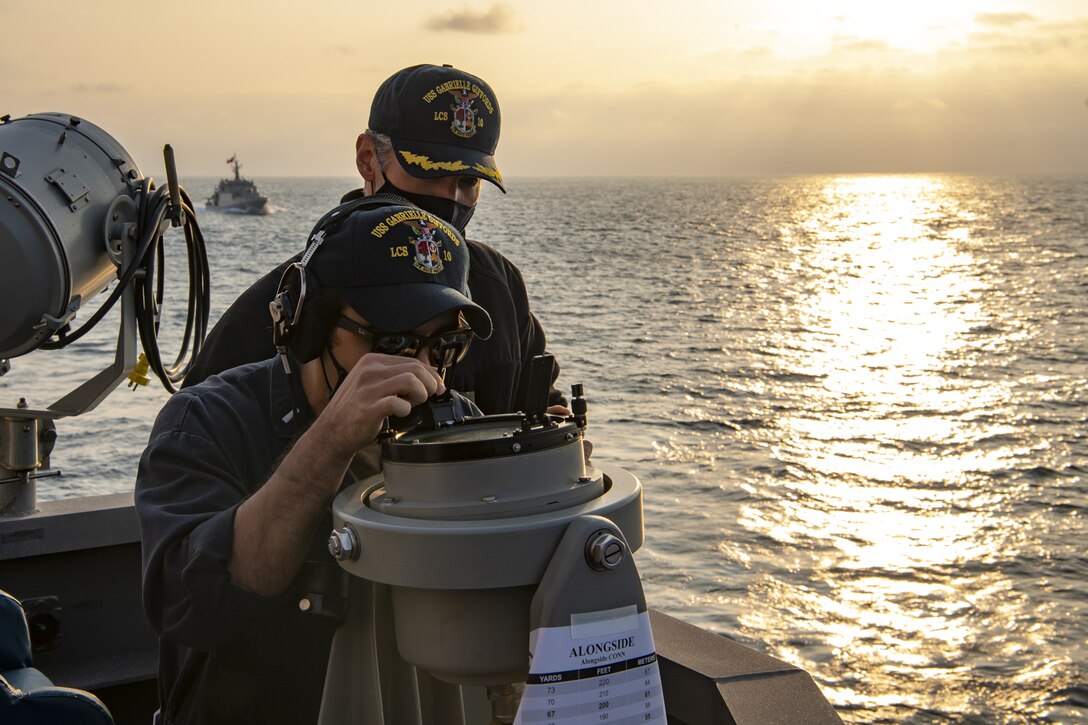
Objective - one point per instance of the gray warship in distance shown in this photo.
(237, 194)
(486, 555)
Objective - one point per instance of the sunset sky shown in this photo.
(587, 87)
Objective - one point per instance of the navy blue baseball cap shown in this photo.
(443, 122)
(399, 266)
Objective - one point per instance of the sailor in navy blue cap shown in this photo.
(234, 488)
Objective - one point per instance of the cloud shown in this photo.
(920, 104)
(1004, 20)
(499, 19)
(852, 44)
(1029, 46)
(853, 119)
(99, 88)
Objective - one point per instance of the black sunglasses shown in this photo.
(443, 348)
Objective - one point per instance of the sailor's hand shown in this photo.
(377, 387)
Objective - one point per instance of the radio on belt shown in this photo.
(489, 555)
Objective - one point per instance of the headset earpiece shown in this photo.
(283, 306)
(288, 304)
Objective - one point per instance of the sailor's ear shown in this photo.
(366, 160)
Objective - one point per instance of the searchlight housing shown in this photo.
(76, 216)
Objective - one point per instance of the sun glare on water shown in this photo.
(883, 504)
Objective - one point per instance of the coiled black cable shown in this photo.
(155, 208)
(147, 273)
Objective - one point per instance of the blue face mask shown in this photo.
(452, 212)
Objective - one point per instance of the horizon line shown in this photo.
(738, 175)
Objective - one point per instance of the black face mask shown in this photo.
(341, 373)
(453, 212)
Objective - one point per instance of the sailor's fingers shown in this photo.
(379, 366)
(406, 385)
(378, 386)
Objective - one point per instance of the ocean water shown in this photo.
(858, 406)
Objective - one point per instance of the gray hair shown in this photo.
(383, 146)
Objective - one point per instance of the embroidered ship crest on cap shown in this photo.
(427, 248)
(464, 115)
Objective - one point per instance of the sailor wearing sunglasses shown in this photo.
(234, 487)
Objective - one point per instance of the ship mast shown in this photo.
(233, 161)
